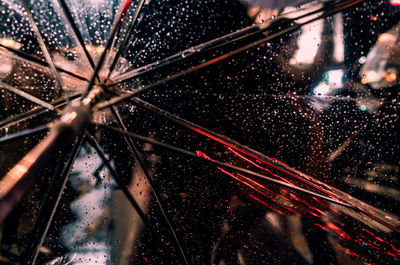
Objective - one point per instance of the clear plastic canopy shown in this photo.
(199, 132)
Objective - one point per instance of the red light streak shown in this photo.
(277, 194)
(348, 251)
(395, 249)
(309, 205)
(283, 170)
(390, 254)
(327, 206)
(145, 259)
(338, 230)
(383, 241)
(379, 220)
(202, 154)
(318, 188)
(126, 4)
(263, 187)
(360, 241)
(217, 139)
(329, 225)
(297, 177)
(320, 226)
(245, 183)
(251, 162)
(395, 2)
(314, 214)
(372, 234)
(262, 193)
(264, 203)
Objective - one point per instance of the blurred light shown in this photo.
(332, 79)
(387, 38)
(308, 43)
(17, 172)
(395, 2)
(370, 77)
(335, 78)
(374, 18)
(338, 52)
(95, 49)
(89, 47)
(362, 60)
(338, 230)
(69, 117)
(5, 66)
(100, 49)
(322, 89)
(10, 43)
(390, 76)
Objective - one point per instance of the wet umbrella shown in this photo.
(130, 91)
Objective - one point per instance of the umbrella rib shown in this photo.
(222, 164)
(126, 38)
(223, 140)
(232, 37)
(76, 31)
(43, 46)
(140, 89)
(107, 47)
(135, 151)
(207, 46)
(34, 112)
(92, 141)
(24, 133)
(31, 59)
(26, 95)
(198, 49)
(64, 177)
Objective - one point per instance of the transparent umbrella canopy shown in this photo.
(172, 132)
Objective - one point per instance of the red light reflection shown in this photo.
(308, 205)
(372, 234)
(338, 230)
(264, 203)
(201, 154)
(265, 169)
